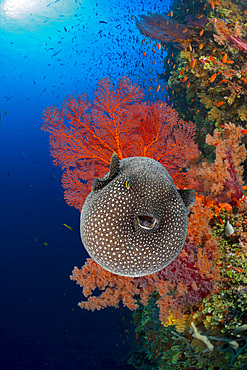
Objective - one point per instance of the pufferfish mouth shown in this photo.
(146, 222)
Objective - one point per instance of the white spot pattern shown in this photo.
(109, 228)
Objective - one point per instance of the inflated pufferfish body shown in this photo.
(134, 222)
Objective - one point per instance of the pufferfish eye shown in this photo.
(127, 184)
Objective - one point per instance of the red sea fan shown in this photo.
(226, 36)
(162, 28)
(161, 135)
(83, 137)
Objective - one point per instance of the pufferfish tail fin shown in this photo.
(98, 183)
(188, 196)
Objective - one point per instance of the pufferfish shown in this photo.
(134, 222)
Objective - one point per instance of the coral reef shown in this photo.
(208, 69)
(193, 313)
(210, 73)
(212, 333)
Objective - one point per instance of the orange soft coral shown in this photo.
(222, 179)
(115, 288)
(190, 278)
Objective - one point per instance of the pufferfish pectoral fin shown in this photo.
(188, 196)
(98, 183)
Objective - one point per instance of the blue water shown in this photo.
(50, 49)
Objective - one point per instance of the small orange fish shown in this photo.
(201, 32)
(222, 82)
(159, 45)
(200, 16)
(229, 61)
(192, 63)
(153, 50)
(190, 47)
(214, 50)
(239, 269)
(224, 59)
(219, 104)
(171, 14)
(198, 110)
(181, 72)
(244, 187)
(184, 79)
(188, 84)
(215, 144)
(144, 53)
(158, 88)
(213, 77)
(201, 46)
(244, 131)
(212, 3)
(185, 30)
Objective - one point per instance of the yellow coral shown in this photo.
(207, 322)
(242, 112)
(170, 320)
(181, 323)
(214, 115)
(205, 100)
